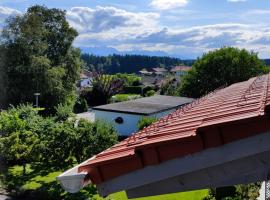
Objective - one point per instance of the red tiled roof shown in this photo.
(180, 68)
(223, 116)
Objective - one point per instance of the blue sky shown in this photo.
(186, 28)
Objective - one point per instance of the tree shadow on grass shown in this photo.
(39, 183)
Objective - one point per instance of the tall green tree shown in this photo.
(41, 58)
(221, 67)
(2, 80)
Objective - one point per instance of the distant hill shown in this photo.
(106, 51)
(130, 63)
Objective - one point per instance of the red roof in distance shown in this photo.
(181, 68)
(223, 116)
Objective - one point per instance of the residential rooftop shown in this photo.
(147, 105)
(240, 110)
(181, 68)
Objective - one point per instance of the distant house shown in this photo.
(180, 70)
(85, 79)
(159, 71)
(144, 72)
(125, 115)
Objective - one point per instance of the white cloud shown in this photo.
(6, 12)
(100, 19)
(168, 4)
(142, 31)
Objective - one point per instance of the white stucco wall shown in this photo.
(129, 125)
(87, 82)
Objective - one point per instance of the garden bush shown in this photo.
(146, 121)
(80, 105)
(133, 89)
(150, 93)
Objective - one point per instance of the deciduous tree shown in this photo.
(221, 67)
(38, 45)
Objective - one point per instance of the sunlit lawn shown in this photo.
(34, 181)
(193, 195)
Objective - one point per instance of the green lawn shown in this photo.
(193, 195)
(35, 180)
(32, 180)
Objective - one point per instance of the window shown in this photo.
(119, 120)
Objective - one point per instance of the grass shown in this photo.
(33, 180)
(193, 195)
(40, 180)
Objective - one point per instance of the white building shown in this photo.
(125, 115)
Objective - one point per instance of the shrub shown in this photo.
(129, 79)
(150, 93)
(63, 112)
(147, 88)
(133, 89)
(80, 105)
(146, 121)
(104, 87)
(92, 138)
(238, 192)
(169, 87)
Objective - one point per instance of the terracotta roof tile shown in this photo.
(180, 68)
(189, 129)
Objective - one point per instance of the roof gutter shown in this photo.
(72, 180)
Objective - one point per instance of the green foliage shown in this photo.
(27, 137)
(3, 80)
(148, 88)
(92, 138)
(133, 90)
(104, 87)
(63, 111)
(56, 144)
(169, 87)
(250, 191)
(129, 79)
(18, 137)
(150, 93)
(38, 57)
(80, 105)
(124, 97)
(221, 67)
(238, 192)
(146, 121)
(18, 147)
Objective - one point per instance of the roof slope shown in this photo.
(181, 68)
(147, 105)
(223, 116)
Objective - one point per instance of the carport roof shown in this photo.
(147, 105)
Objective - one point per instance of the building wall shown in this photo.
(180, 73)
(130, 121)
(87, 82)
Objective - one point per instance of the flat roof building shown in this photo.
(125, 115)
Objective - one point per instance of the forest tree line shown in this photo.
(129, 63)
